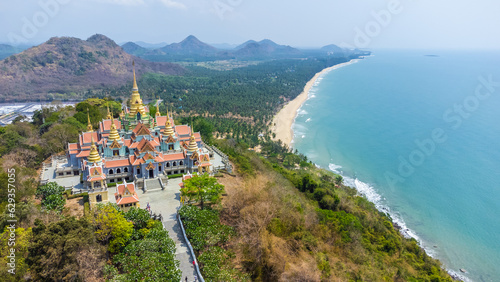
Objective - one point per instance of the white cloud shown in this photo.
(173, 4)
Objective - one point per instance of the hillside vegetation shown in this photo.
(68, 65)
(295, 222)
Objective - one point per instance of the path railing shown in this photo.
(197, 268)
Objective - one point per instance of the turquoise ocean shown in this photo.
(417, 133)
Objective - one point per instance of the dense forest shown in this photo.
(239, 103)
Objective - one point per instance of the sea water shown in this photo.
(418, 133)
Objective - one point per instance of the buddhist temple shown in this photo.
(134, 147)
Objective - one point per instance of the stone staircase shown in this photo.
(153, 184)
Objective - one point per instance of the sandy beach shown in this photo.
(283, 120)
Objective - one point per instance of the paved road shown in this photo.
(167, 202)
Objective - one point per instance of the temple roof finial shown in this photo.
(135, 82)
(89, 125)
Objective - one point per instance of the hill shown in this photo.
(265, 48)
(7, 50)
(190, 45)
(134, 49)
(66, 64)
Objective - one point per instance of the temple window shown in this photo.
(116, 152)
(98, 198)
(112, 180)
(174, 164)
(181, 163)
(138, 171)
(171, 147)
(118, 170)
(110, 171)
(125, 169)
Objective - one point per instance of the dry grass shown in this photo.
(74, 207)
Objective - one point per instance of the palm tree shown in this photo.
(338, 180)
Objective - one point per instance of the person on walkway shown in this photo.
(186, 279)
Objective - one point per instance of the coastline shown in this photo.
(282, 126)
(284, 119)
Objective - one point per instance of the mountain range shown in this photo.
(66, 64)
(192, 49)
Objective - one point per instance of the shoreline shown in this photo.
(282, 127)
(285, 118)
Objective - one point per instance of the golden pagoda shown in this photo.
(113, 133)
(192, 142)
(168, 130)
(136, 104)
(89, 125)
(94, 154)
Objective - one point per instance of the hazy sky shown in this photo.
(357, 23)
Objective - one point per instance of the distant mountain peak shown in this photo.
(99, 39)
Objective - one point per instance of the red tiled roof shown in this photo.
(161, 120)
(117, 163)
(183, 129)
(127, 200)
(120, 188)
(95, 173)
(127, 142)
(83, 154)
(173, 157)
(86, 137)
(120, 196)
(105, 125)
(141, 128)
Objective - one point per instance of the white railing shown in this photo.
(189, 246)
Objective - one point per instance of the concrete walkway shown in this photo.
(166, 202)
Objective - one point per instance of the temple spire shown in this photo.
(94, 154)
(193, 146)
(109, 116)
(136, 105)
(113, 133)
(89, 125)
(134, 87)
(158, 107)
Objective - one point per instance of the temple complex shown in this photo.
(132, 148)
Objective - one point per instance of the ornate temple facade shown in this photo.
(135, 147)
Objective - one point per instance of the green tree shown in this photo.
(64, 250)
(23, 237)
(202, 188)
(150, 259)
(112, 227)
(51, 195)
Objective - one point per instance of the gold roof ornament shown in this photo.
(109, 116)
(158, 108)
(136, 101)
(94, 154)
(113, 133)
(168, 130)
(193, 146)
(89, 125)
